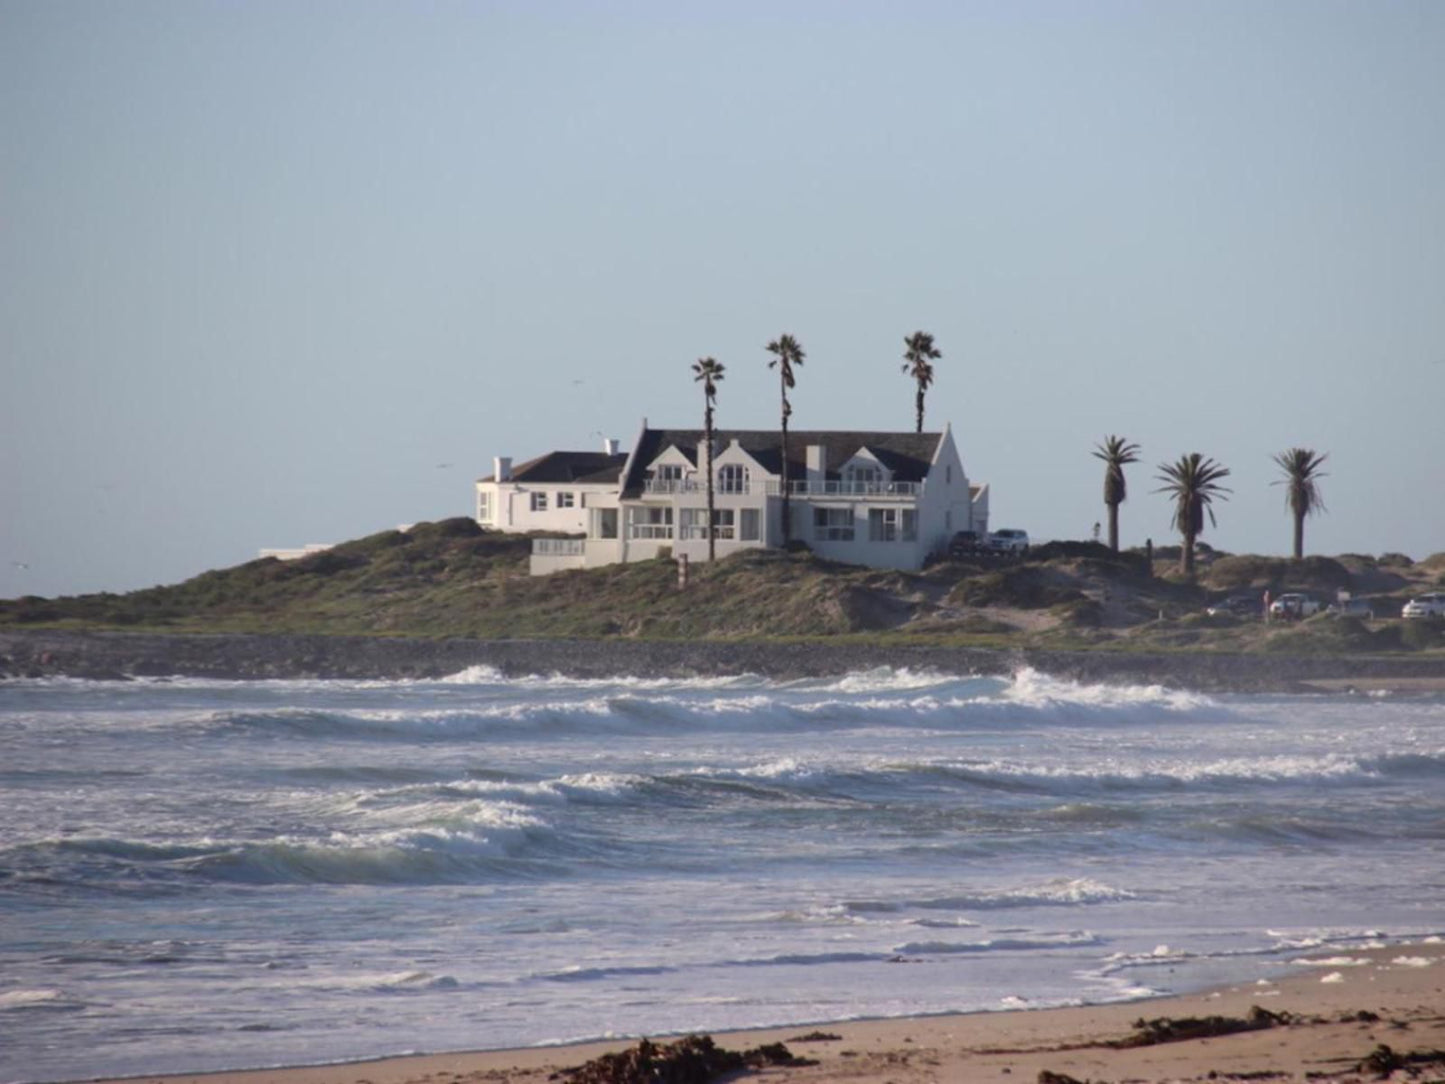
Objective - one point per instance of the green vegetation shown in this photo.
(1193, 484)
(451, 578)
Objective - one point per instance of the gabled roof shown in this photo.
(907, 455)
(580, 467)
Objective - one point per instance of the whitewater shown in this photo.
(198, 875)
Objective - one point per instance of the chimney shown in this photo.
(817, 463)
(502, 468)
(609, 445)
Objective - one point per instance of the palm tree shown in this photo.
(1193, 482)
(1116, 452)
(709, 371)
(786, 354)
(917, 361)
(1301, 468)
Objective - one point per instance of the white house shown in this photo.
(553, 492)
(885, 500)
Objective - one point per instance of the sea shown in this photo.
(199, 875)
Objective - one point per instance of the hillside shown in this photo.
(452, 579)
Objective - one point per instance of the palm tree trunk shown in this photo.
(1114, 527)
(1186, 556)
(1299, 536)
(711, 534)
(787, 512)
(920, 410)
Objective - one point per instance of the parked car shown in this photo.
(1246, 605)
(1352, 607)
(965, 544)
(1294, 605)
(1431, 605)
(1009, 540)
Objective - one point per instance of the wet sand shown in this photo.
(1333, 1015)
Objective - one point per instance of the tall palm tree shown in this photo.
(709, 371)
(1193, 482)
(1116, 452)
(917, 363)
(786, 355)
(1301, 468)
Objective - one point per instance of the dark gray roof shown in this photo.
(907, 455)
(580, 467)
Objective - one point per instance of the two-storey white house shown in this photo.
(553, 492)
(885, 500)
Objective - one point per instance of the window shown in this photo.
(892, 524)
(732, 478)
(566, 499)
(667, 477)
(862, 479)
(484, 507)
(649, 522)
(539, 502)
(748, 528)
(833, 524)
(694, 520)
(607, 523)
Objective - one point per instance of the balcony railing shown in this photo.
(558, 547)
(693, 485)
(855, 489)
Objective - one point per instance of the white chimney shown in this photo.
(609, 445)
(502, 468)
(817, 463)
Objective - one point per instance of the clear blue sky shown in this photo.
(278, 273)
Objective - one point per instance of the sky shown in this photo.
(277, 273)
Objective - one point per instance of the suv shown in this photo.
(965, 544)
(1009, 540)
(1352, 607)
(1293, 605)
(1432, 605)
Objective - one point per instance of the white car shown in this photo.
(1352, 607)
(1009, 540)
(1432, 605)
(1294, 605)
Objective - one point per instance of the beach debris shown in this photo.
(1383, 1061)
(1048, 1077)
(693, 1059)
(816, 1037)
(1165, 1029)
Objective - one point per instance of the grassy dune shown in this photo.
(452, 579)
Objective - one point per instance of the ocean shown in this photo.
(197, 875)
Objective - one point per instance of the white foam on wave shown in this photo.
(1037, 689)
(490, 675)
(997, 944)
(1279, 768)
(888, 679)
(42, 999)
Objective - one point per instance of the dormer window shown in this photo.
(732, 478)
(667, 477)
(863, 478)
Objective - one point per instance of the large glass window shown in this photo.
(607, 523)
(732, 478)
(862, 478)
(484, 507)
(748, 528)
(667, 477)
(649, 522)
(833, 524)
(892, 525)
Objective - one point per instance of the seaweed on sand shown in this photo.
(693, 1059)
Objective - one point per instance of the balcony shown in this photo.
(855, 489)
(693, 485)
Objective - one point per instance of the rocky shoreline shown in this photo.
(123, 655)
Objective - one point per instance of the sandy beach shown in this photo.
(1329, 1017)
